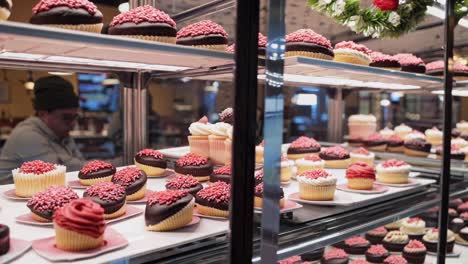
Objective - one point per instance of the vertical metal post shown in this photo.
(448, 83)
(245, 105)
(335, 115)
(273, 130)
(136, 3)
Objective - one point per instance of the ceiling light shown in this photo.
(61, 73)
(29, 85)
(384, 102)
(304, 99)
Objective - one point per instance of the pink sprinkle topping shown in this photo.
(304, 142)
(413, 220)
(335, 254)
(463, 206)
(315, 174)
(46, 5)
(408, 59)
(464, 215)
(379, 57)
(144, 13)
(231, 48)
(204, 27)
(357, 240)
(224, 170)
(336, 150)
(393, 163)
(127, 176)
(359, 261)
(395, 138)
(394, 259)
(192, 159)
(308, 35)
(150, 153)
(182, 182)
(361, 151)
(219, 192)
(439, 65)
(203, 120)
(291, 260)
(262, 144)
(166, 197)
(106, 191)
(52, 198)
(36, 167)
(94, 166)
(452, 211)
(435, 230)
(377, 250)
(312, 158)
(375, 137)
(262, 40)
(353, 46)
(259, 175)
(259, 188)
(415, 244)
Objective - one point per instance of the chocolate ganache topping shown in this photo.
(194, 164)
(132, 179)
(418, 144)
(216, 196)
(164, 204)
(96, 169)
(70, 12)
(184, 182)
(334, 153)
(223, 174)
(108, 195)
(151, 158)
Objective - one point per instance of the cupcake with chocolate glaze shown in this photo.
(355, 141)
(314, 255)
(187, 183)
(168, 210)
(96, 171)
(44, 204)
(307, 43)
(436, 68)
(79, 225)
(455, 152)
(335, 157)
(262, 42)
(431, 239)
(302, 147)
(223, 174)
(258, 196)
(410, 63)
(133, 180)
(144, 22)
(375, 142)
(356, 245)
(350, 52)
(4, 239)
(385, 61)
(462, 208)
(195, 165)
(151, 162)
(375, 236)
(5, 9)
(395, 144)
(417, 147)
(109, 196)
(456, 225)
(204, 34)
(462, 236)
(394, 259)
(395, 241)
(80, 15)
(335, 256)
(377, 254)
(214, 200)
(454, 203)
(362, 155)
(36, 176)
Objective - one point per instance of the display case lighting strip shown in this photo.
(333, 81)
(462, 93)
(91, 62)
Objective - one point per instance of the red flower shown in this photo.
(386, 5)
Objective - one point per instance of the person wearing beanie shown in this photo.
(45, 136)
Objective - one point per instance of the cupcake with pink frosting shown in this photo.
(350, 52)
(362, 155)
(436, 68)
(198, 139)
(204, 34)
(381, 60)
(308, 43)
(411, 63)
(262, 41)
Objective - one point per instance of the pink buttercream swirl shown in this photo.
(204, 27)
(335, 254)
(407, 59)
(141, 14)
(192, 159)
(353, 46)
(380, 57)
(83, 216)
(106, 191)
(36, 167)
(315, 174)
(304, 142)
(357, 240)
(393, 163)
(394, 259)
(309, 36)
(360, 170)
(377, 250)
(361, 151)
(338, 151)
(46, 5)
(166, 197)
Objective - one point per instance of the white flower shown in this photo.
(394, 19)
(353, 22)
(338, 7)
(324, 2)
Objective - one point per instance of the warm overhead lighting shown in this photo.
(463, 93)
(124, 7)
(29, 85)
(304, 99)
(111, 81)
(61, 73)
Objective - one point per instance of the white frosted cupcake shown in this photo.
(362, 125)
(459, 142)
(259, 149)
(286, 169)
(414, 227)
(387, 132)
(362, 155)
(36, 176)
(415, 134)
(198, 139)
(402, 130)
(393, 171)
(434, 136)
(308, 163)
(463, 126)
(228, 146)
(216, 140)
(317, 185)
